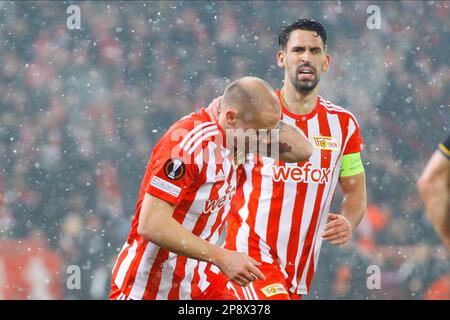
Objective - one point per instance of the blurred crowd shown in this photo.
(80, 111)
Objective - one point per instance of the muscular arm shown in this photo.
(354, 205)
(285, 143)
(157, 225)
(433, 186)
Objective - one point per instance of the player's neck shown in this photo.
(297, 102)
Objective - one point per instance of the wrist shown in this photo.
(349, 221)
(217, 255)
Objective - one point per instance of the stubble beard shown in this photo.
(304, 86)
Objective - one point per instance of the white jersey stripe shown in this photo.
(230, 286)
(340, 109)
(253, 291)
(198, 135)
(190, 221)
(242, 243)
(203, 138)
(288, 202)
(191, 133)
(143, 272)
(199, 160)
(302, 288)
(335, 131)
(262, 219)
(166, 278)
(311, 192)
(250, 294)
(245, 294)
(289, 195)
(125, 265)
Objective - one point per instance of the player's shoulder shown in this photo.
(191, 132)
(333, 108)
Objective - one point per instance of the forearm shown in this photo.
(434, 186)
(437, 207)
(354, 204)
(339, 228)
(353, 208)
(156, 224)
(173, 237)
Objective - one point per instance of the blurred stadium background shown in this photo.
(81, 109)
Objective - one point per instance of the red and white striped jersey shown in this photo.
(280, 209)
(190, 168)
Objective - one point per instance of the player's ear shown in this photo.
(231, 117)
(280, 58)
(326, 63)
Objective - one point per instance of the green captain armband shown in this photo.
(351, 165)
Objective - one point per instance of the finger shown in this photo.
(340, 235)
(255, 271)
(240, 281)
(336, 235)
(332, 224)
(335, 230)
(333, 216)
(254, 262)
(340, 241)
(248, 276)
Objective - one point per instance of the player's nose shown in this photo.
(306, 56)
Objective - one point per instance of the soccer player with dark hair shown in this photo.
(280, 213)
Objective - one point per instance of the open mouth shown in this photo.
(306, 73)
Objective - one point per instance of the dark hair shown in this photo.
(302, 24)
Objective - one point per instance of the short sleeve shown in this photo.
(173, 171)
(444, 147)
(355, 143)
(447, 143)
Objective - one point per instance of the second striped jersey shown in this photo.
(191, 169)
(280, 209)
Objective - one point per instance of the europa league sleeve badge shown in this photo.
(174, 169)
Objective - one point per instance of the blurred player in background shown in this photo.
(280, 213)
(184, 200)
(434, 187)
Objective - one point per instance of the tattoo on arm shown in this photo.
(283, 145)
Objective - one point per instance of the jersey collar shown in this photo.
(296, 116)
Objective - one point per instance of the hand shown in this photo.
(338, 230)
(239, 268)
(214, 108)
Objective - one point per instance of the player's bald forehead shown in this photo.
(248, 92)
